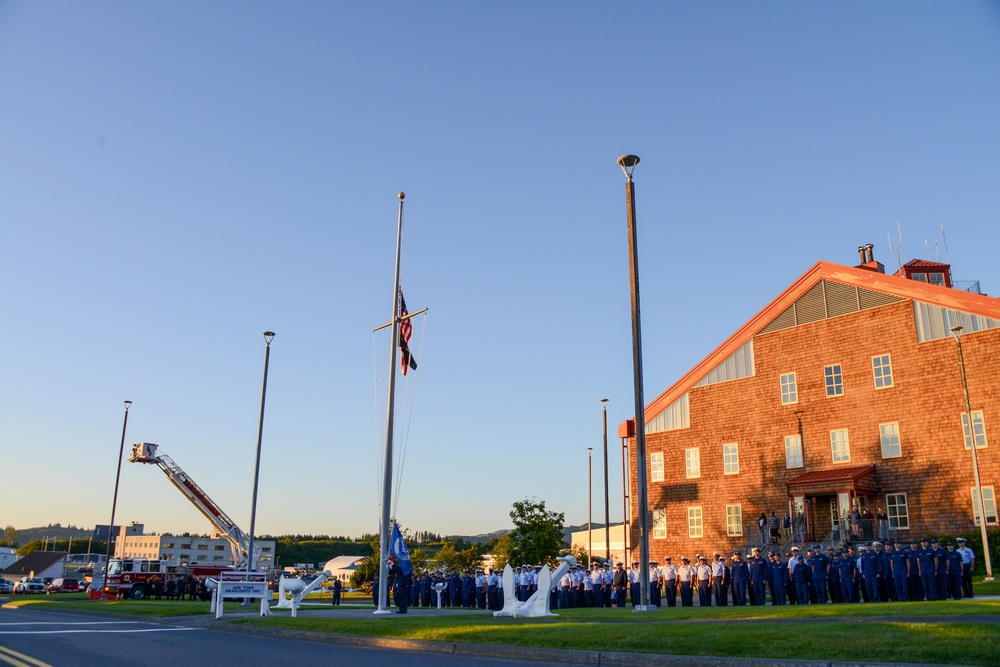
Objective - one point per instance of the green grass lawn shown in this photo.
(761, 632)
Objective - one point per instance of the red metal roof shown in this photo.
(832, 475)
(946, 297)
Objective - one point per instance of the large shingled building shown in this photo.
(845, 391)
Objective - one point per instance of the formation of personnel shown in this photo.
(875, 572)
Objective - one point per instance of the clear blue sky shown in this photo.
(177, 177)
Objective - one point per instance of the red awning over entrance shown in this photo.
(834, 479)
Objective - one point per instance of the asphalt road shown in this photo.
(41, 639)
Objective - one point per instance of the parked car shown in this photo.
(6, 587)
(63, 585)
(29, 586)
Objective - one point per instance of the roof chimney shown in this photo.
(867, 253)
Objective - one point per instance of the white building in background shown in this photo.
(581, 539)
(213, 549)
(342, 567)
(7, 557)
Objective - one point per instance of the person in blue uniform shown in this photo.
(740, 576)
(916, 590)
(900, 572)
(820, 565)
(801, 576)
(954, 560)
(832, 582)
(758, 578)
(847, 572)
(779, 579)
(940, 570)
(928, 573)
(872, 568)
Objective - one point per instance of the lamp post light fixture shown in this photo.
(957, 331)
(590, 507)
(268, 337)
(607, 510)
(628, 163)
(114, 502)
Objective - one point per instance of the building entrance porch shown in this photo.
(828, 505)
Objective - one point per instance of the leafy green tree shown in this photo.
(502, 551)
(537, 534)
(446, 557)
(470, 558)
(9, 537)
(418, 559)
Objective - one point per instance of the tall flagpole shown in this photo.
(383, 541)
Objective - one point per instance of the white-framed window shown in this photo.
(734, 520)
(990, 500)
(656, 467)
(896, 509)
(793, 451)
(695, 526)
(731, 459)
(978, 429)
(659, 524)
(789, 390)
(882, 371)
(692, 462)
(833, 376)
(840, 445)
(889, 437)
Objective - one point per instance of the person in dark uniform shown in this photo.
(779, 579)
(832, 582)
(900, 572)
(847, 572)
(337, 588)
(801, 576)
(740, 574)
(916, 590)
(819, 566)
(758, 578)
(872, 569)
(954, 560)
(402, 586)
(889, 579)
(928, 571)
(620, 581)
(940, 570)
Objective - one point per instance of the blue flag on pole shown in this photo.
(397, 547)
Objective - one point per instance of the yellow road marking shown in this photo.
(12, 657)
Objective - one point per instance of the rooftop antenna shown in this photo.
(947, 257)
(895, 251)
(937, 251)
(927, 247)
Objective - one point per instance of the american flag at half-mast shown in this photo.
(405, 331)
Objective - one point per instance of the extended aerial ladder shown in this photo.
(239, 542)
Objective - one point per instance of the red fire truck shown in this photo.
(135, 578)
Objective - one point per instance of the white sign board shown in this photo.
(242, 585)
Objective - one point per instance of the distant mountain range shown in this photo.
(53, 532)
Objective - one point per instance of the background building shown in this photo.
(844, 393)
(212, 549)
